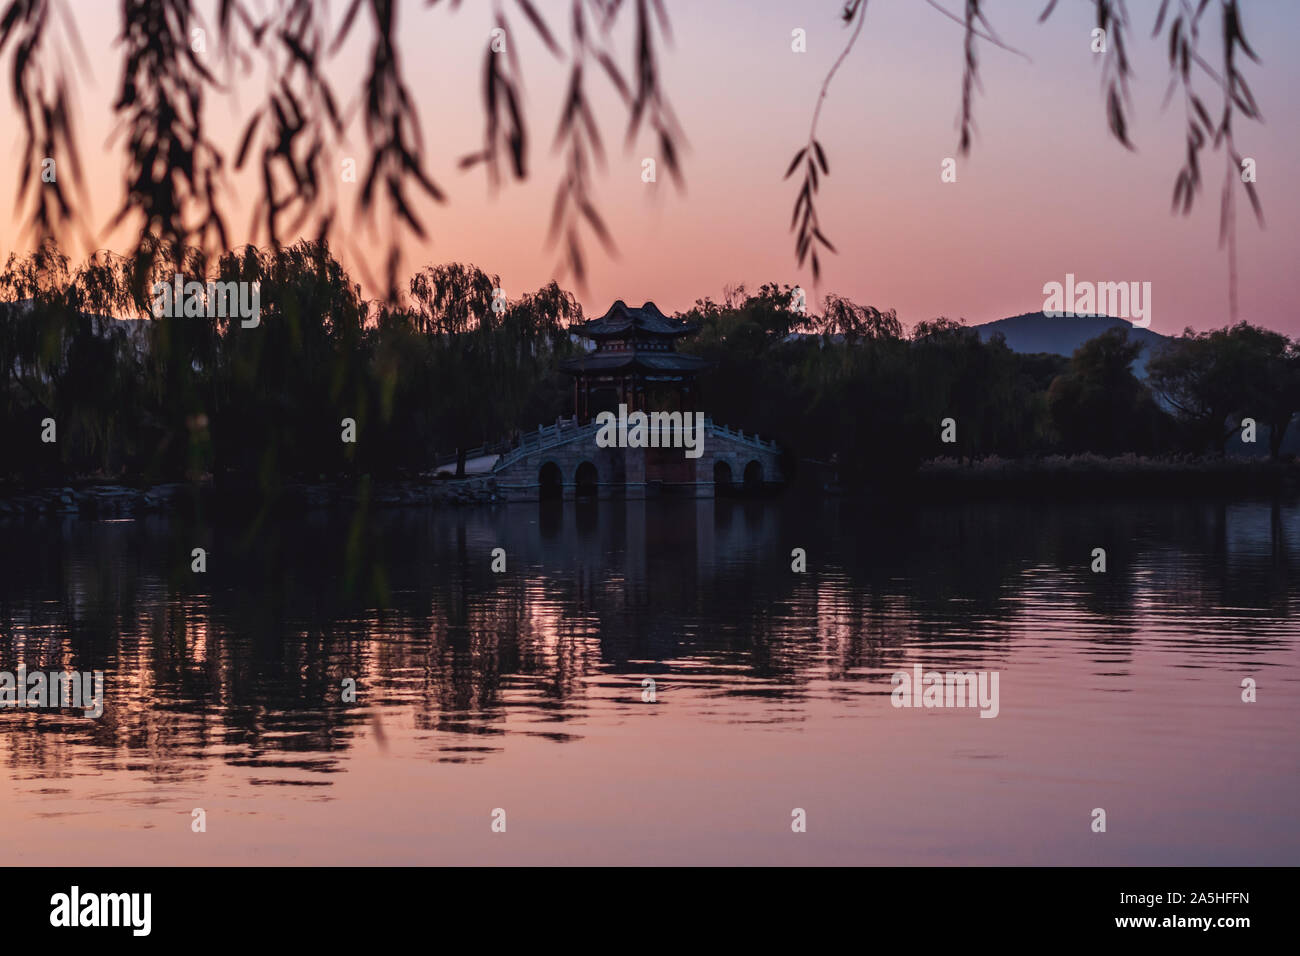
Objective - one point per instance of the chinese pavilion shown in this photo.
(633, 361)
(635, 354)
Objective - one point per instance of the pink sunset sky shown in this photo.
(1046, 190)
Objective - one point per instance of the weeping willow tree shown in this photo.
(68, 369)
(168, 394)
(491, 354)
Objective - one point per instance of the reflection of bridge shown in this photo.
(563, 460)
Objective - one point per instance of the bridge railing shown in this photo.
(546, 436)
(567, 429)
(739, 435)
(488, 448)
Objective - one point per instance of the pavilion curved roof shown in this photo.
(624, 321)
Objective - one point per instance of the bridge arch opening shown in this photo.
(753, 476)
(721, 475)
(585, 480)
(550, 480)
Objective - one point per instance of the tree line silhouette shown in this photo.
(855, 389)
(456, 364)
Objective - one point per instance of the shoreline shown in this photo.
(100, 500)
(1088, 475)
(941, 479)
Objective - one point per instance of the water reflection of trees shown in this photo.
(245, 663)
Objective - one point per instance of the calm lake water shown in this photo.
(523, 690)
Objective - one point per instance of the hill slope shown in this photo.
(1036, 332)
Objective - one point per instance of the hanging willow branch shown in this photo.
(175, 191)
(1185, 60)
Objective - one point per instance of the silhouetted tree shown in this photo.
(1214, 379)
(1098, 404)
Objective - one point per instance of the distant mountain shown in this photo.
(1036, 332)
